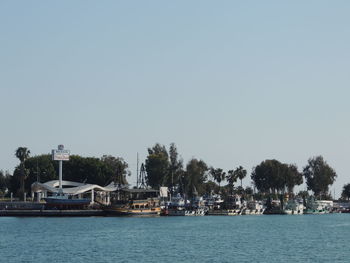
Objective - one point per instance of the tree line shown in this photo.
(269, 177)
(166, 168)
(42, 168)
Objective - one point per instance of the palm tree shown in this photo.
(231, 178)
(241, 173)
(217, 174)
(22, 153)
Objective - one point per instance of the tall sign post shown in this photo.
(60, 155)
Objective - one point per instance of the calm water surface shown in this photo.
(307, 238)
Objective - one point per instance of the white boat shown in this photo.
(318, 207)
(253, 207)
(294, 207)
(179, 207)
(199, 211)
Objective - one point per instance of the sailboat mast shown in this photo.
(137, 171)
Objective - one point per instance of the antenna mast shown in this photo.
(142, 179)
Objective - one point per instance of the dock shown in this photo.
(52, 213)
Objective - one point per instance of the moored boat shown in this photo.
(294, 207)
(135, 208)
(64, 201)
(318, 206)
(134, 202)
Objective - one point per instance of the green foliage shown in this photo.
(319, 176)
(22, 153)
(157, 166)
(4, 182)
(83, 169)
(194, 177)
(115, 169)
(40, 168)
(175, 167)
(272, 176)
(346, 192)
(233, 175)
(303, 194)
(241, 173)
(78, 169)
(249, 191)
(231, 179)
(217, 174)
(266, 176)
(95, 170)
(210, 187)
(293, 177)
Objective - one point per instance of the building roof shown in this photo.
(74, 188)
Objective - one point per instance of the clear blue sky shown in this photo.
(230, 82)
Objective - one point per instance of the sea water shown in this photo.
(298, 238)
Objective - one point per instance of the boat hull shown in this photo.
(185, 212)
(132, 212)
(58, 201)
(225, 212)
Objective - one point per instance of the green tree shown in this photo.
(86, 170)
(5, 178)
(293, 177)
(175, 167)
(22, 153)
(272, 176)
(319, 176)
(346, 192)
(40, 168)
(231, 178)
(116, 170)
(241, 173)
(157, 166)
(194, 177)
(249, 191)
(210, 187)
(267, 176)
(217, 174)
(92, 170)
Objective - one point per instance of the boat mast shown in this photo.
(137, 171)
(143, 177)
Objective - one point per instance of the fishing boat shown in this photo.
(253, 207)
(318, 206)
(294, 207)
(175, 207)
(224, 212)
(231, 207)
(179, 207)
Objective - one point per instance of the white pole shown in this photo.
(92, 196)
(60, 175)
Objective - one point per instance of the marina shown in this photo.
(151, 206)
(174, 131)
